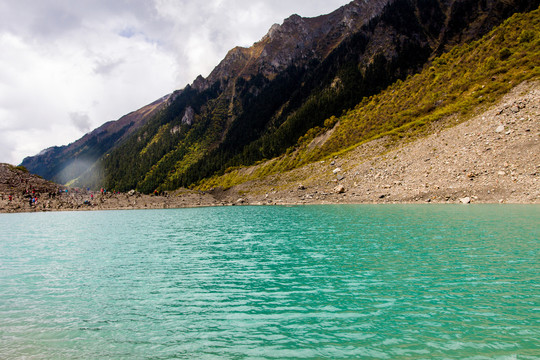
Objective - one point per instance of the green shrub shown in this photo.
(526, 36)
(505, 53)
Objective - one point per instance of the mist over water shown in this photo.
(340, 282)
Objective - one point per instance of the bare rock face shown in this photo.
(200, 83)
(189, 115)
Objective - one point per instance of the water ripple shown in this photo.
(340, 282)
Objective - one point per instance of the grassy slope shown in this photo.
(457, 83)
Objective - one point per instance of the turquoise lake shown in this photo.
(311, 282)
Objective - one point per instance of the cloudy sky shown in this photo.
(68, 66)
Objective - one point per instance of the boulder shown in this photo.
(340, 189)
(465, 200)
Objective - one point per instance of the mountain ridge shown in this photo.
(294, 39)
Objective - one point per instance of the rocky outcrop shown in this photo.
(15, 180)
(188, 117)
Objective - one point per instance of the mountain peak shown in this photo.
(296, 40)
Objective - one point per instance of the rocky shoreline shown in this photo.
(493, 157)
(86, 201)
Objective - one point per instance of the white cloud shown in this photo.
(81, 120)
(66, 68)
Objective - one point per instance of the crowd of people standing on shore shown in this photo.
(34, 197)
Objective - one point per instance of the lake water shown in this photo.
(336, 282)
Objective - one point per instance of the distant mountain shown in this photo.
(62, 164)
(259, 102)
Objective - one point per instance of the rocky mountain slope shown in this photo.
(275, 97)
(17, 180)
(295, 42)
(494, 157)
